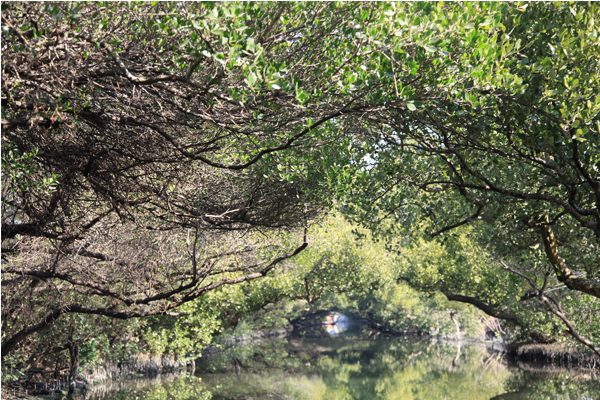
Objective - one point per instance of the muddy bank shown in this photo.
(142, 364)
(152, 368)
(109, 374)
(552, 355)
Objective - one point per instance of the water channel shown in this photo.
(348, 363)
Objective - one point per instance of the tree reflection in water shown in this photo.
(345, 367)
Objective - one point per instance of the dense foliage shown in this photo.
(159, 157)
(511, 150)
(138, 150)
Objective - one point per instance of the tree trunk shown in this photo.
(452, 314)
(74, 353)
(564, 274)
(486, 308)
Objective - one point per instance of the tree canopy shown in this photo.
(143, 144)
(511, 148)
(139, 147)
(155, 152)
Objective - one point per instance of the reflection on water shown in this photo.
(350, 366)
(336, 323)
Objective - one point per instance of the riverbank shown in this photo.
(142, 366)
(546, 358)
(556, 355)
(139, 366)
(301, 366)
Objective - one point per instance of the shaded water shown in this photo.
(354, 366)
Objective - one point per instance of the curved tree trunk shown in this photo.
(563, 273)
(486, 308)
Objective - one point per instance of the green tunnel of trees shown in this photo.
(168, 168)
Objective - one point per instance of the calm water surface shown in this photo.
(353, 366)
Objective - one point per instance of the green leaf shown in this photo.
(251, 78)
